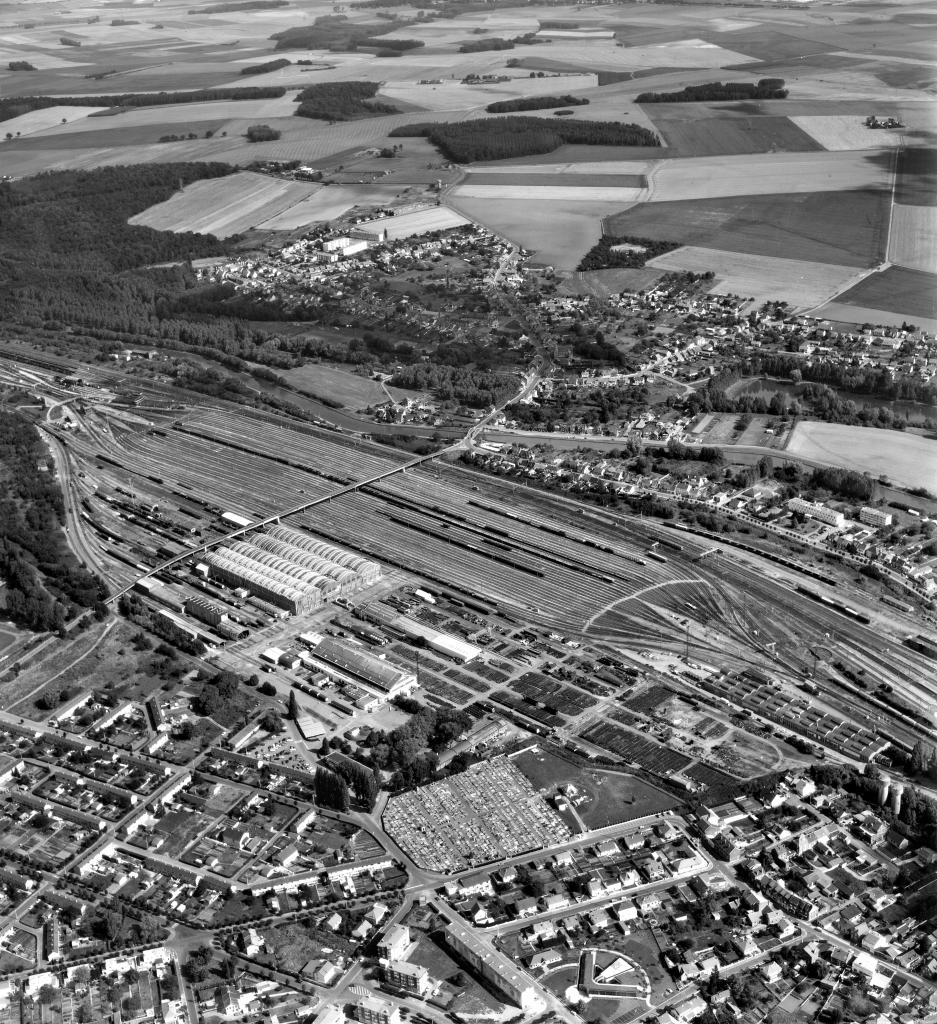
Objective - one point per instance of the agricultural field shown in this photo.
(226, 206)
(46, 120)
(917, 177)
(907, 460)
(896, 290)
(437, 218)
(329, 203)
(846, 131)
(766, 174)
(912, 241)
(573, 193)
(846, 228)
(455, 95)
(703, 129)
(562, 180)
(800, 283)
(560, 239)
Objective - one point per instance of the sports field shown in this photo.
(908, 460)
(846, 228)
(799, 282)
(899, 290)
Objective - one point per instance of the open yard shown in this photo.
(909, 293)
(913, 238)
(801, 283)
(907, 460)
(846, 228)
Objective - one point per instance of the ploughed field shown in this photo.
(797, 179)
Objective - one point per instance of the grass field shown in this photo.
(912, 241)
(908, 460)
(846, 228)
(226, 206)
(801, 283)
(917, 177)
(611, 796)
(910, 293)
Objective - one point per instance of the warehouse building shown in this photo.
(443, 643)
(291, 570)
(494, 967)
(362, 667)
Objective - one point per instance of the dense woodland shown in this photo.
(341, 101)
(535, 103)
(763, 89)
(336, 33)
(13, 106)
(499, 138)
(818, 391)
(606, 254)
(44, 583)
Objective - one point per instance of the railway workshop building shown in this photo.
(291, 569)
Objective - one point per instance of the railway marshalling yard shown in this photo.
(705, 619)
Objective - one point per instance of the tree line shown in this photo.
(13, 106)
(499, 138)
(763, 89)
(341, 101)
(263, 69)
(535, 103)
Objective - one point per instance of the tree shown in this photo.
(293, 709)
(271, 721)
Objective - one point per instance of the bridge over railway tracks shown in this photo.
(275, 517)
